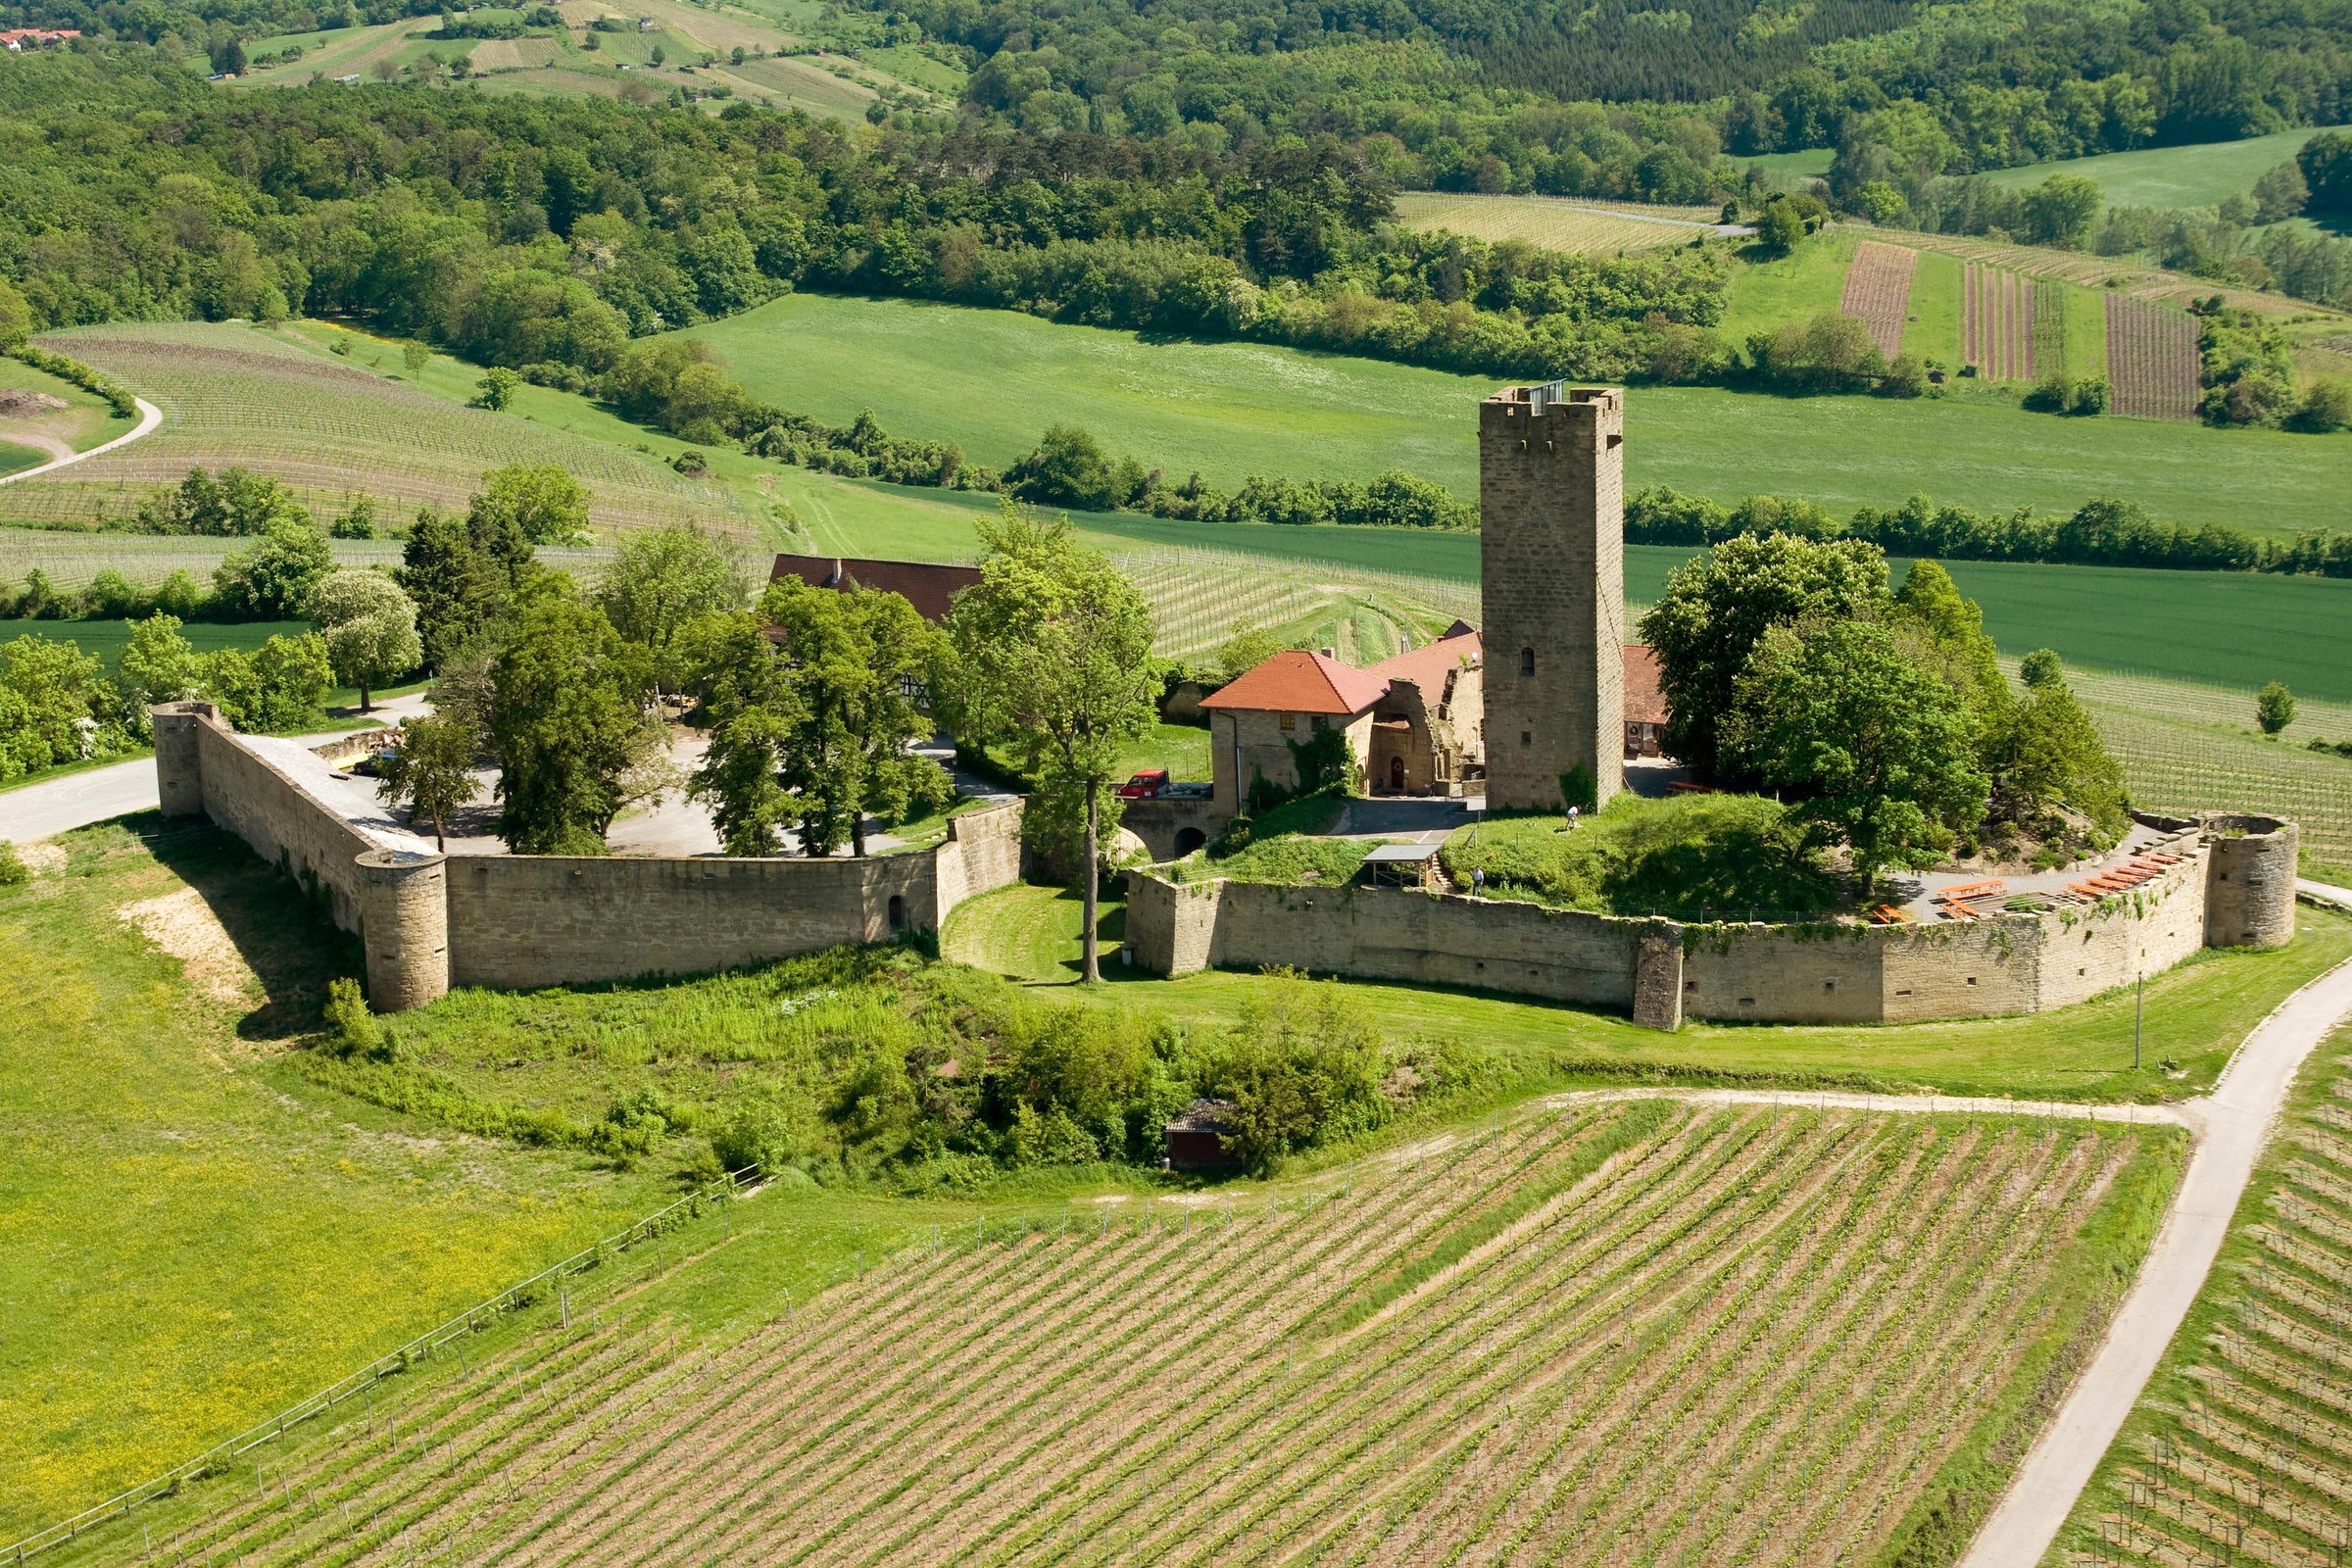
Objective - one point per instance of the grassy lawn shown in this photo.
(1181, 748)
(2198, 176)
(1802, 284)
(1936, 302)
(13, 458)
(192, 1235)
(2195, 1015)
(1639, 856)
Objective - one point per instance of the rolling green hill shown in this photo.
(993, 381)
(2198, 175)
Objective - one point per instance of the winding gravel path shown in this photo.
(2231, 1125)
(149, 418)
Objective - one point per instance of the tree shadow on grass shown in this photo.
(288, 940)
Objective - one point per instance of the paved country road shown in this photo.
(2230, 1126)
(41, 811)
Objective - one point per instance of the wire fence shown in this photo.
(526, 1292)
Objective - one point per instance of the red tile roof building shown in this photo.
(1417, 720)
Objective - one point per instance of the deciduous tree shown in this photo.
(1878, 752)
(663, 579)
(1717, 607)
(570, 716)
(369, 627)
(540, 502)
(431, 769)
(272, 580)
(1066, 642)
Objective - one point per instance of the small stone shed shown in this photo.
(1195, 1141)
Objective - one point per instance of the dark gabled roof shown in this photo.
(927, 585)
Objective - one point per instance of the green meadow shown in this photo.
(993, 381)
(192, 1236)
(2198, 175)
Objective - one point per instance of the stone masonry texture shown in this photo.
(1551, 558)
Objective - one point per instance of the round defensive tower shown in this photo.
(179, 759)
(2250, 881)
(404, 926)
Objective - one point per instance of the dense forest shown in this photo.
(545, 233)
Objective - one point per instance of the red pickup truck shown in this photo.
(1148, 785)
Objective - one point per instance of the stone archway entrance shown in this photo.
(1397, 774)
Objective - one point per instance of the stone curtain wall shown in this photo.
(428, 921)
(1779, 974)
(214, 772)
(516, 921)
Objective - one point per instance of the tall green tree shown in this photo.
(540, 502)
(812, 709)
(663, 579)
(1717, 607)
(571, 718)
(1878, 752)
(369, 627)
(272, 580)
(431, 769)
(277, 687)
(2273, 708)
(157, 664)
(1064, 642)
(2044, 752)
(740, 678)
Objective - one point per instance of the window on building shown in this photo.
(1526, 738)
(1527, 661)
(1321, 722)
(1290, 722)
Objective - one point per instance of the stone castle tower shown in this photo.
(1551, 561)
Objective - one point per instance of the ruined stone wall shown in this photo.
(1664, 972)
(2253, 899)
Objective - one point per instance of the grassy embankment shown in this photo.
(192, 1235)
(2195, 1015)
(84, 422)
(2239, 1450)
